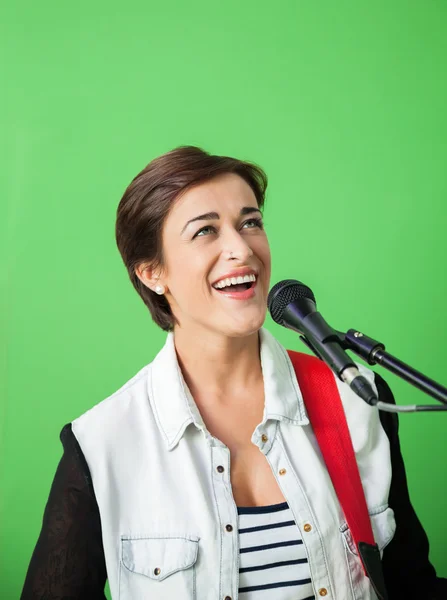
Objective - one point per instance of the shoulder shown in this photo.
(113, 406)
(108, 425)
(102, 434)
(380, 426)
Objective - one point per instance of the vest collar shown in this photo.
(175, 408)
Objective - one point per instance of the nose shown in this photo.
(234, 242)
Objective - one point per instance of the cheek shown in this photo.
(189, 272)
(265, 257)
(263, 252)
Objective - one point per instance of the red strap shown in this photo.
(328, 419)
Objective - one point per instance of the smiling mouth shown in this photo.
(238, 287)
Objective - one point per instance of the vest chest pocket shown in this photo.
(383, 526)
(158, 567)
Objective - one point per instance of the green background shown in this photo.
(342, 103)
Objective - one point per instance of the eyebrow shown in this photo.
(245, 210)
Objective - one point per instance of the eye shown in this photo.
(257, 223)
(202, 230)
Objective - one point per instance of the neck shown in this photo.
(219, 366)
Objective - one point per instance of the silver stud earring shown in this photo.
(160, 289)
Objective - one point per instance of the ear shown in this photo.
(148, 276)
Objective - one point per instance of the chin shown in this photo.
(249, 326)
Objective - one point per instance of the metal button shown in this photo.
(264, 438)
(323, 592)
(229, 527)
(220, 469)
(282, 471)
(227, 597)
(307, 527)
(157, 571)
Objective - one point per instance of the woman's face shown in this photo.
(196, 253)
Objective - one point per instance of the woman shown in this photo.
(201, 476)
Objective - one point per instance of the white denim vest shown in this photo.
(165, 506)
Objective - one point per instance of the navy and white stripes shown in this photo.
(273, 561)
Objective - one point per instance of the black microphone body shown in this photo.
(292, 304)
(312, 325)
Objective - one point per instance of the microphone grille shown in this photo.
(283, 293)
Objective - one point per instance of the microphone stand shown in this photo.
(373, 352)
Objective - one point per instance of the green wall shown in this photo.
(344, 105)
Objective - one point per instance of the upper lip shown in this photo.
(237, 273)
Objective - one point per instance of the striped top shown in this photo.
(273, 562)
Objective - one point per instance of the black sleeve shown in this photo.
(68, 560)
(406, 566)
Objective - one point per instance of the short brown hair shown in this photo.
(146, 204)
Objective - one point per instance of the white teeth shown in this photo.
(234, 281)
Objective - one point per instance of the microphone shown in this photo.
(292, 304)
